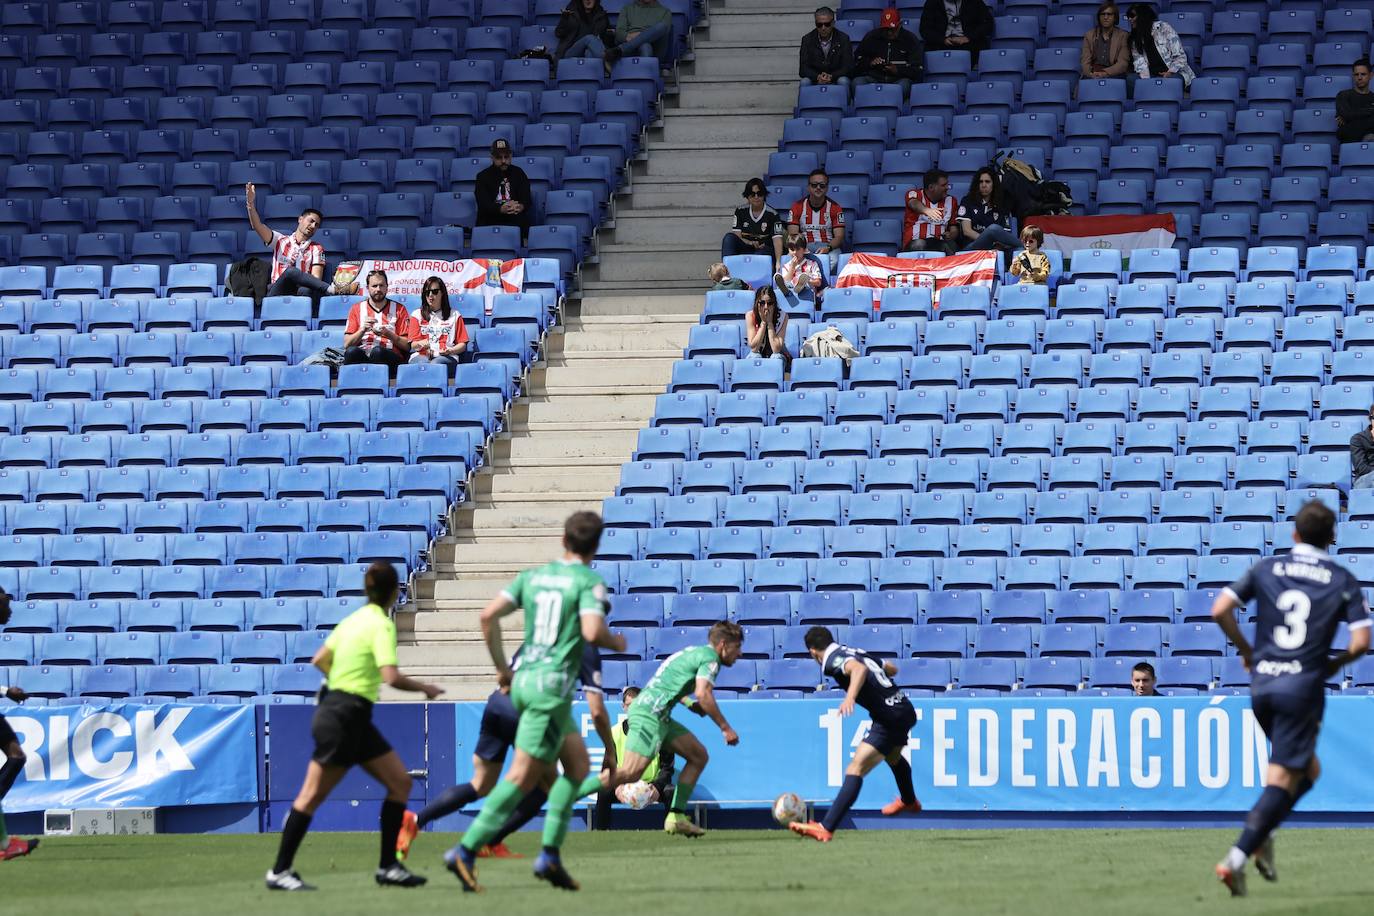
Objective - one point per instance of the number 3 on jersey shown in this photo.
(1296, 607)
(548, 610)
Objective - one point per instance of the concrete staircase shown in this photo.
(594, 389)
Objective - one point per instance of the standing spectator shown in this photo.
(957, 25)
(765, 327)
(503, 192)
(1355, 107)
(827, 55)
(583, 30)
(1032, 265)
(437, 334)
(378, 329)
(1362, 456)
(818, 219)
(888, 54)
(1143, 680)
(644, 28)
(1156, 49)
(982, 223)
(801, 273)
(297, 262)
(757, 228)
(1106, 52)
(928, 223)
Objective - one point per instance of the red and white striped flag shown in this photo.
(975, 268)
(1122, 233)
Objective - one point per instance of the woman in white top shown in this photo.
(437, 333)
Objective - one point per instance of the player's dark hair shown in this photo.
(1146, 667)
(309, 210)
(375, 273)
(630, 692)
(381, 584)
(818, 638)
(814, 172)
(725, 631)
(1362, 62)
(1316, 524)
(582, 533)
(932, 177)
(4, 607)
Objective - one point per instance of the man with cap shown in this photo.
(503, 192)
(889, 54)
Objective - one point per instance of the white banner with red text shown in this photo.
(878, 272)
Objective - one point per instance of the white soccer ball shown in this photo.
(788, 808)
(638, 795)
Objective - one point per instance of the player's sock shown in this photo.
(392, 814)
(500, 803)
(4, 833)
(901, 771)
(588, 785)
(450, 800)
(9, 772)
(524, 813)
(292, 832)
(1273, 806)
(556, 819)
(681, 793)
(848, 794)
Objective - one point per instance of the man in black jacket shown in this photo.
(957, 25)
(889, 54)
(503, 192)
(826, 53)
(1362, 457)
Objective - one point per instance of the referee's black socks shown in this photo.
(292, 832)
(393, 812)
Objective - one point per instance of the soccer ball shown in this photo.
(638, 795)
(787, 808)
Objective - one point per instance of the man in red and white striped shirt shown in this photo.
(818, 219)
(928, 223)
(297, 262)
(378, 329)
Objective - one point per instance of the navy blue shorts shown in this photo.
(497, 733)
(1291, 721)
(889, 732)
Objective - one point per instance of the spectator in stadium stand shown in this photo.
(720, 278)
(1156, 49)
(1362, 456)
(765, 326)
(1355, 107)
(982, 223)
(818, 219)
(1106, 47)
(1032, 265)
(503, 192)
(1143, 680)
(757, 228)
(297, 262)
(957, 25)
(583, 30)
(889, 54)
(827, 55)
(928, 223)
(644, 28)
(437, 334)
(378, 329)
(800, 272)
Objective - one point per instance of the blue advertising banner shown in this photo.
(134, 755)
(1043, 755)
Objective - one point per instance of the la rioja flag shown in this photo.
(878, 272)
(1121, 233)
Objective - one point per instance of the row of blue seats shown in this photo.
(70, 583)
(65, 685)
(324, 548)
(168, 616)
(137, 648)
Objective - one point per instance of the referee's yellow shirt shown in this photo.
(362, 644)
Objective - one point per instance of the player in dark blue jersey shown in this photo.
(1301, 599)
(12, 755)
(867, 682)
(494, 739)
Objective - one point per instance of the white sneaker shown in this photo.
(286, 881)
(780, 281)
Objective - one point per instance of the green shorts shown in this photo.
(545, 715)
(648, 733)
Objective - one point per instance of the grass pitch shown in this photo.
(1022, 872)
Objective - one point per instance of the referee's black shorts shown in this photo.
(343, 731)
(7, 734)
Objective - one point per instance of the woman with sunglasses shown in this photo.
(757, 228)
(437, 333)
(765, 327)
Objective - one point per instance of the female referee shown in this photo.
(356, 658)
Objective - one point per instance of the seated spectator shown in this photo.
(1032, 265)
(982, 223)
(1106, 52)
(378, 329)
(928, 223)
(801, 273)
(957, 25)
(889, 54)
(1156, 49)
(437, 334)
(827, 55)
(818, 219)
(297, 262)
(720, 278)
(502, 191)
(644, 28)
(1143, 680)
(1355, 107)
(1362, 457)
(765, 327)
(583, 30)
(758, 227)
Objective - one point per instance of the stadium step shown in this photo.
(645, 229)
(712, 93)
(718, 195)
(688, 158)
(740, 127)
